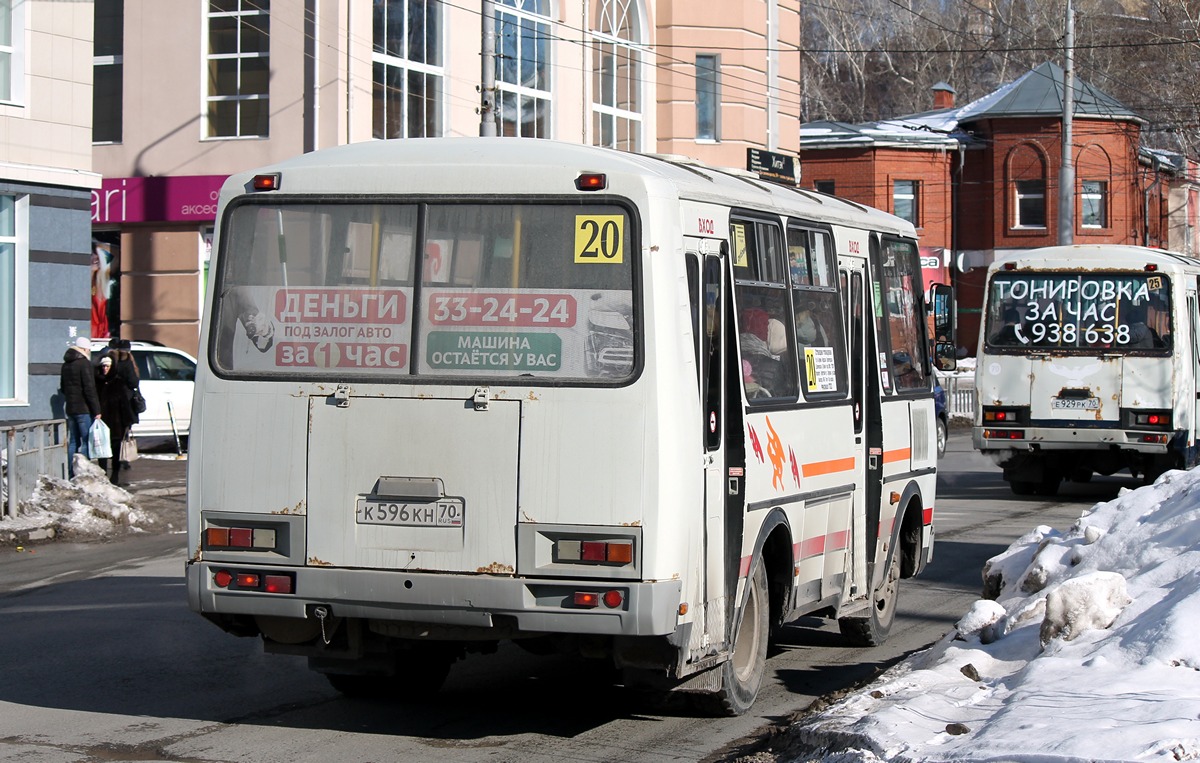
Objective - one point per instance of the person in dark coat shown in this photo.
(78, 385)
(116, 378)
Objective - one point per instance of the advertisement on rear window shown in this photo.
(346, 328)
(1094, 311)
(568, 332)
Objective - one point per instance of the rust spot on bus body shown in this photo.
(315, 562)
(496, 568)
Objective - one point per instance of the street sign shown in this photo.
(778, 168)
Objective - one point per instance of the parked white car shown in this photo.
(167, 379)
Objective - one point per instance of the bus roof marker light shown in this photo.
(591, 181)
(1151, 267)
(267, 182)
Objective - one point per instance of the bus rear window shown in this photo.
(1102, 311)
(500, 290)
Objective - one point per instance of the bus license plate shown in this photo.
(447, 512)
(1076, 403)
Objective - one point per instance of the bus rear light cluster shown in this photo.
(594, 551)
(1004, 434)
(266, 582)
(1152, 419)
(254, 538)
(1157, 439)
(1001, 415)
(591, 599)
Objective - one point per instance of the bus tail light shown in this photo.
(243, 580)
(1004, 434)
(1152, 420)
(1157, 439)
(594, 551)
(250, 538)
(1001, 415)
(591, 599)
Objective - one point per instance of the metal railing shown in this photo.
(960, 397)
(31, 450)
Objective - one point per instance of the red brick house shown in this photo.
(981, 180)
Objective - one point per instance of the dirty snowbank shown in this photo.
(86, 506)
(1088, 652)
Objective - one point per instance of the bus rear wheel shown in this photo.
(742, 674)
(873, 629)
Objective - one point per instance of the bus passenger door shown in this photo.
(711, 298)
(868, 432)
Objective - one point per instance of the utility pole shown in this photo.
(1066, 175)
(487, 86)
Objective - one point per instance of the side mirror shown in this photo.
(944, 347)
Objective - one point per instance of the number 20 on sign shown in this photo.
(598, 239)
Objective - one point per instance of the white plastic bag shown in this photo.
(100, 440)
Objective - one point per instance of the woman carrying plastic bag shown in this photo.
(99, 440)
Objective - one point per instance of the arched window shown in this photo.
(523, 67)
(407, 69)
(616, 75)
(1027, 181)
(1095, 178)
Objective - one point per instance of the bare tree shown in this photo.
(875, 59)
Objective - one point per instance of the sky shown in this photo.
(1090, 651)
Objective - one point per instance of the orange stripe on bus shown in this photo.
(744, 567)
(832, 466)
(899, 454)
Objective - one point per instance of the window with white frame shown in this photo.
(1030, 204)
(616, 76)
(523, 67)
(408, 74)
(107, 71)
(14, 301)
(904, 200)
(708, 97)
(1093, 210)
(12, 51)
(238, 60)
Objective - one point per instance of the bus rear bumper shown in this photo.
(1062, 438)
(484, 603)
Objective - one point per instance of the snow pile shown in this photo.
(1088, 652)
(87, 505)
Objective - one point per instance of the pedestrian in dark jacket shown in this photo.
(116, 378)
(78, 385)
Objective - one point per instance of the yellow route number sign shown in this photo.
(600, 239)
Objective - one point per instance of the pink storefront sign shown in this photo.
(185, 198)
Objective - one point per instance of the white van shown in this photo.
(1088, 360)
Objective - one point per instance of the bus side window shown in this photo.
(765, 335)
(820, 338)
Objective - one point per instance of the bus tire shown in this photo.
(742, 673)
(873, 629)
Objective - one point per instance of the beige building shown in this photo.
(189, 91)
(45, 181)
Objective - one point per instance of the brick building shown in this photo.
(981, 181)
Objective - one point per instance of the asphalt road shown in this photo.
(102, 661)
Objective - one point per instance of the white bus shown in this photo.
(623, 405)
(1088, 364)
